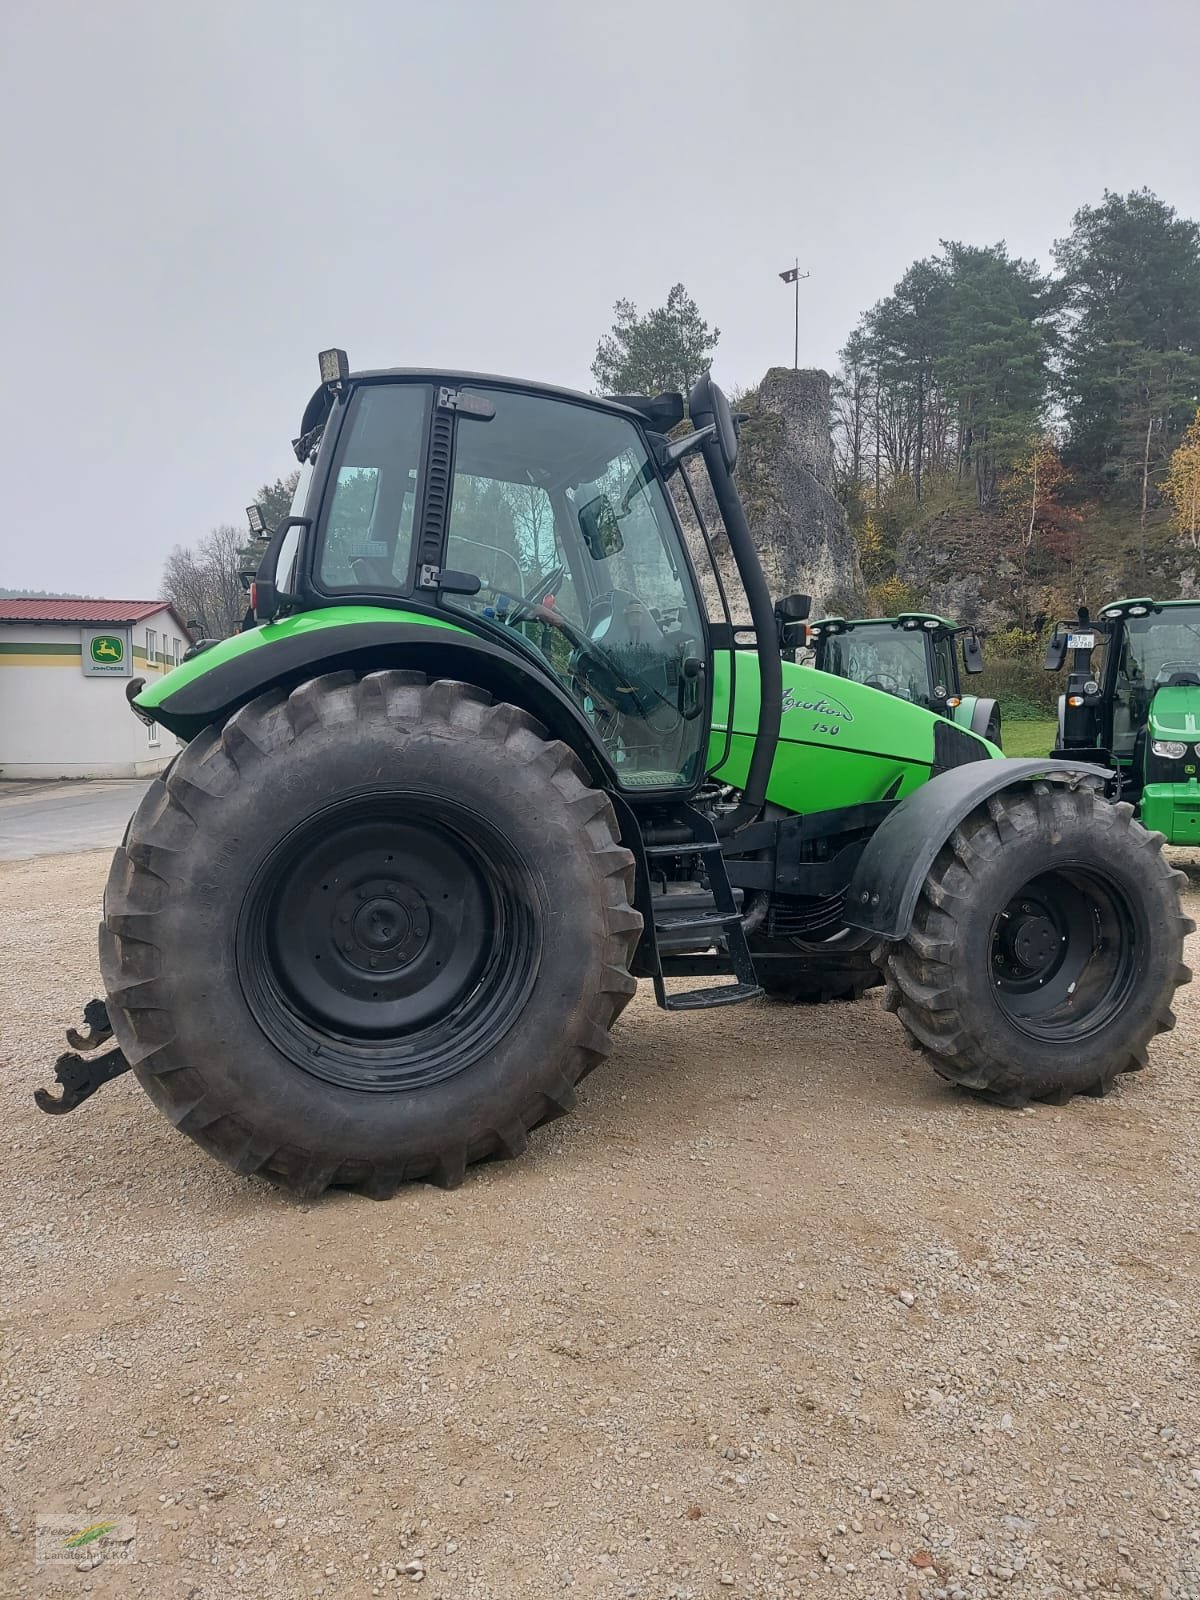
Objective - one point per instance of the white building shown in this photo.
(64, 669)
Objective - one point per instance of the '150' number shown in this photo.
(833, 728)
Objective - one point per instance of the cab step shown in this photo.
(720, 915)
(724, 994)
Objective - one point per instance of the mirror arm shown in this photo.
(668, 453)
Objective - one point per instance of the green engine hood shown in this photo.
(1175, 714)
(840, 743)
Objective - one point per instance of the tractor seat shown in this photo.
(1182, 680)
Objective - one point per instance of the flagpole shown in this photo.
(793, 276)
(796, 352)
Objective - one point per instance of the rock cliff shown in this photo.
(785, 477)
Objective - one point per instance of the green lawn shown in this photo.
(1029, 738)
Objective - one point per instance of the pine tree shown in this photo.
(666, 350)
(995, 357)
(1131, 311)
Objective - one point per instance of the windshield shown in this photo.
(882, 657)
(559, 512)
(1152, 644)
(1152, 651)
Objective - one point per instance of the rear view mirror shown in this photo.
(793, 607)
(600, 528)
(272, 585)
(1056, 653)
(708, 405)
(790, 614)
(972, 653)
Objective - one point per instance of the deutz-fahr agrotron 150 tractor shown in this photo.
(483, 761)
(1139, 710)
(912, 656)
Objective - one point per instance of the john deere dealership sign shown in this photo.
(106, 653)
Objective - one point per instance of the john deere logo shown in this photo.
(108, 650)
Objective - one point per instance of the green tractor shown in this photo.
(1138, 709)
(913, 657)
(482, 761)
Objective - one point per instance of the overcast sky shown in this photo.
(197, 197)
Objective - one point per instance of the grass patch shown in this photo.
(1029, 738)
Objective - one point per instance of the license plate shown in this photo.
(1081, 641)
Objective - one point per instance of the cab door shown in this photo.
(558, 508)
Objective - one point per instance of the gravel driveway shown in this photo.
(774, 1314)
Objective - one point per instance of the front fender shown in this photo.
(883, 891)
(211, 686)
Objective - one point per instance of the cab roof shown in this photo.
(1144, 600)
(913, 618)
(660, 412)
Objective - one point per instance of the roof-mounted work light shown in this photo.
(335, 368)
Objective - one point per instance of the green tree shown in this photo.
(994, 359)
(666, 350)
(1130, 292)
(905, 337)
(275, 499)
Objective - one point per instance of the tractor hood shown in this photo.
(1175, 714)
(840, 741)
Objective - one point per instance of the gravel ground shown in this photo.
(772, 1321)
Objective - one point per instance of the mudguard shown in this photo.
(211, 686)
(883, 891)
(974, 712)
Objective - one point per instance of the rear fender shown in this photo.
(883, 891)
(233, 678)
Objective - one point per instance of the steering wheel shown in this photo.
(522, 610)
(886, 682)
(622, 686)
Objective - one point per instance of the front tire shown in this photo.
(1045, 949)
(372, 930)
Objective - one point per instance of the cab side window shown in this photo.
(367, 531)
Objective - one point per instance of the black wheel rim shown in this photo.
(388, 941)
(1063, 954)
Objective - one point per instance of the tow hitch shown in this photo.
(79, 1078)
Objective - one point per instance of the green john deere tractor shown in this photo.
(1138, 708)
(482, 760)
(911, 656)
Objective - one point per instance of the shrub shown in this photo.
(1013, 674)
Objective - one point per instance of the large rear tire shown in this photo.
(372, 930)
(1045, 950)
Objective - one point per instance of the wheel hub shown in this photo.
(1036, 942)
(381, 925)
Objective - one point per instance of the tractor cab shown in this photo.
(911, 656)
(1133, 698)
